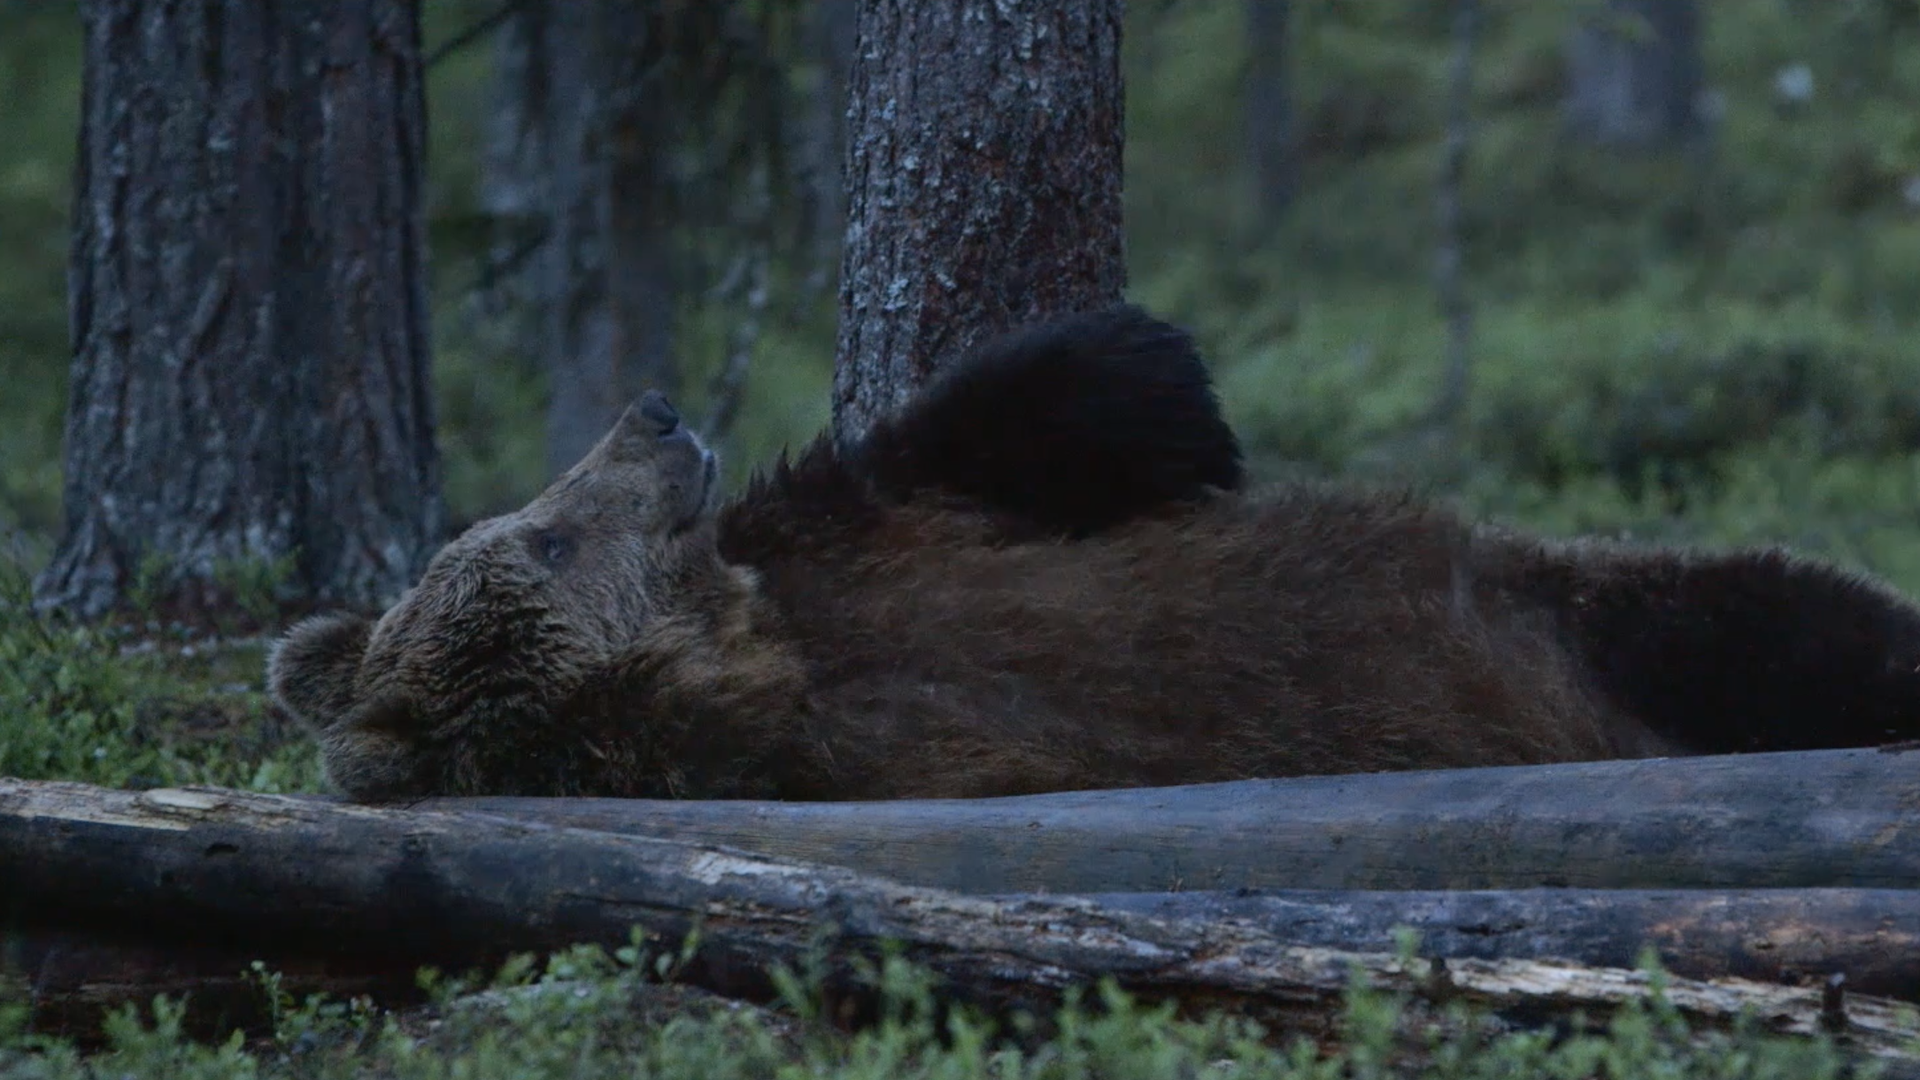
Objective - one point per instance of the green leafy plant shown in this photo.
(584, 1014)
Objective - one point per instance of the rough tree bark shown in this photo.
(248, 305)
(1634, 73)
(983, 183)
(1269, 108)
(576, 141)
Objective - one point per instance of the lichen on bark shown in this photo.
(983, 172)
(248, 303)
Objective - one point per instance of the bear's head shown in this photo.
(484, 677)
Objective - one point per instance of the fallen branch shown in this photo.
(347, 892)
(1789, 820)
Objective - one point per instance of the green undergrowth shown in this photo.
(587, 1014)
(1741, 424)
(1714, 348)
(138, 703)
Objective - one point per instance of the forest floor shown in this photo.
(585, 1014)
(142, 701)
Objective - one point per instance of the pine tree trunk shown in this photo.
(983, 170)
(248, 303)
(830, 31)
(1269, 106)
(1634, 73)
(605, 286)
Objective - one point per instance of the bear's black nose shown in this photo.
(658, 411)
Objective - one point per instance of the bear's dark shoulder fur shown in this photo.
(1075, 424)
(1064, 429)
(1045, 573)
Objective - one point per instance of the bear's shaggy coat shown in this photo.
(1045, 574)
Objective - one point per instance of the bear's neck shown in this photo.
(725, 698)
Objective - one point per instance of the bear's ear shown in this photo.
(311, 670)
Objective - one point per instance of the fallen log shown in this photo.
(354, 891)
(72, 980)
(1787, 820)
(1871, 937)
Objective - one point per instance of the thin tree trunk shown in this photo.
(513, 182)
(1450, 263)
(830, 41)
(607, 288)
(248, 302)
(983, 169)
(1635, 72)
(1269, 108)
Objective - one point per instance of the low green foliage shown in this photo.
(586, 1014)
(136, 706)
(1711, 348)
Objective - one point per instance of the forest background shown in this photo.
(1705, 337)
(1546, 262)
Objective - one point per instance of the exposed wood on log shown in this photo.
(1788, 936)
(1787, 820)
(376, 891)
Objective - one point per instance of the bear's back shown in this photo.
(1281, 632)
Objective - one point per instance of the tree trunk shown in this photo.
(181, 878)
(1450, 255)
(1269, 106)
(1635, 73)
(830, 31)
(983, 173)
(513, 169)
(248, 303)
(606, 287)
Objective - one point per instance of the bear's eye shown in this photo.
(551, 546)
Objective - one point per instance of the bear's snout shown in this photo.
(655, 409)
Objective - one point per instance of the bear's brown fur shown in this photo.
(918, 617)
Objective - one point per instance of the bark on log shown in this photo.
(356, 890)
(1788, 820)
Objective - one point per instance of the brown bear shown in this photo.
(1048, 572)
